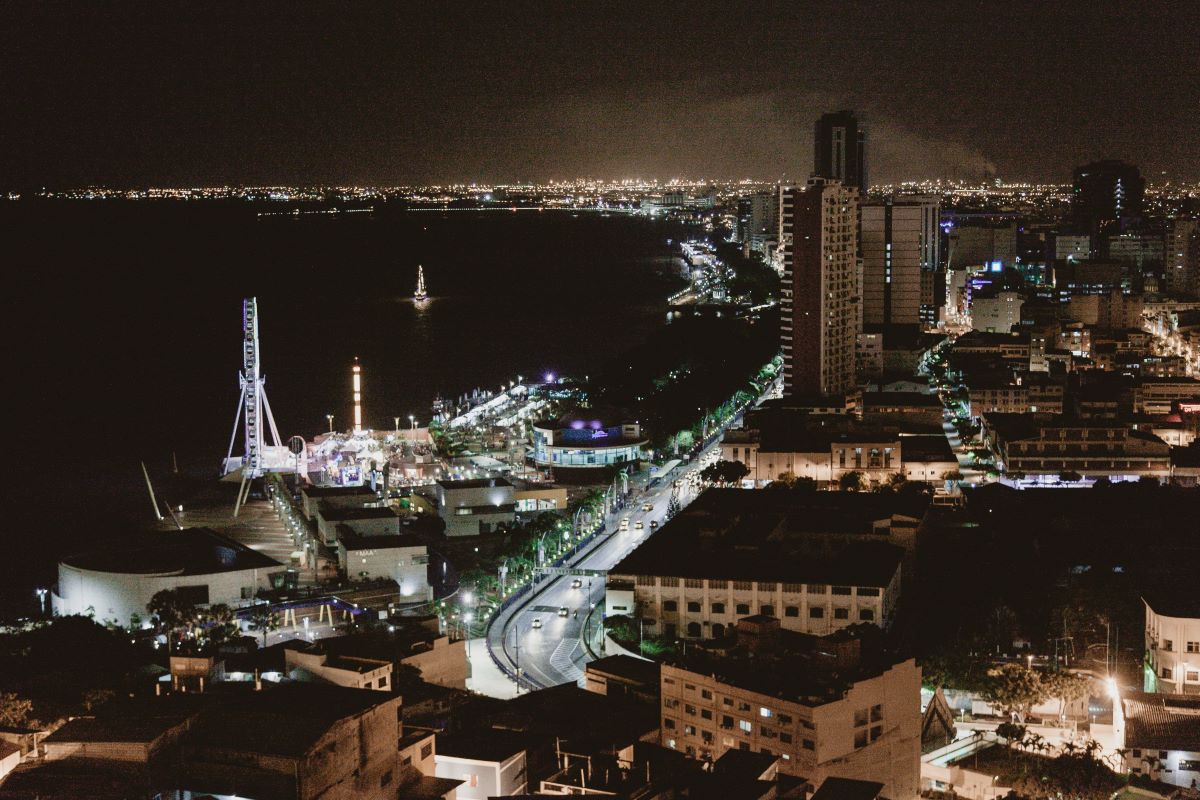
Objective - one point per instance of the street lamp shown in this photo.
(329, 418)
(41, 593)
(397, 419)
(412, 421)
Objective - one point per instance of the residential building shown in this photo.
(901, 252)
(1049, 445)
(820, 312)
(297, 740)
(996, 312)
(623, 676)
(490, 763)
(307, 662)
(1162, 737)
(757, 221)
(474, 507)
(1072, 247)
(1172, 639)
(989, 245)
(403, 558)
(1181, 256)
(1142, 252)
(1005, 394)
(837, 706)
(840, 150)
(441, 660)
(1161, 395)
(115, 582)
(820, 563)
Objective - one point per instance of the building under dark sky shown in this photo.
(130, 94)
(1106, 196)
(840, 150)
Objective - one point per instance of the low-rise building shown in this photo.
(365, 521)
(489, 763)
(1162, 737)
(531, 498)
(1025, 393)
(819, 565)
(587, 445)
(831, 707)
(311, 663)
(1161, 395)
(403, 558)
(116, 581)
(475, 507)
(311, 498)
(1049, 445)
(1172, 639)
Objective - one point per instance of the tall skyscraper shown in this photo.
(820, 316)
(1106, 194)
(840, 150)
(901, 244)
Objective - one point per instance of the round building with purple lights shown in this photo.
(587, 444)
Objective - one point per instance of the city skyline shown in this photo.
(383, 96)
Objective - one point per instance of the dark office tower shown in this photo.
(1107, 196)
(819, 319)
(840, 150)
(901, 243)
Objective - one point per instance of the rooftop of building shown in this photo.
(191, 551)
(137, 728)
(486, 744)
(989, 339)
(285, 720)
(873, 400)
(795, 667)
(1162, 721)
(475, 483)
(738, 535)
(847, 789)
(614, 721)
(337, 491)
(351, 540)
(627, 668)
(341, 514)
(926, 447)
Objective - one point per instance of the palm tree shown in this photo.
(263, 620)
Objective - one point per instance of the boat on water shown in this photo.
(420, 294)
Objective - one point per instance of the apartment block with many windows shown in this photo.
(827, 707)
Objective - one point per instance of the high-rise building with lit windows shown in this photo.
(900, 250)
(820, 315)
(1106, 194)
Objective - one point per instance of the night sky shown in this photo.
(133, 94)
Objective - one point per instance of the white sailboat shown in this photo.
(420, 294)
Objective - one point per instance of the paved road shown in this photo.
(554, 654)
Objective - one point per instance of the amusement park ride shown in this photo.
(253, 412)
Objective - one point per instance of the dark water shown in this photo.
(122, 327)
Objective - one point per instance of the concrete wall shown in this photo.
(117, 596)
(445, 664)
(484, 779)
(407, 566)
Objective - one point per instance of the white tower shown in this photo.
(253, 407)
(356, 379)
